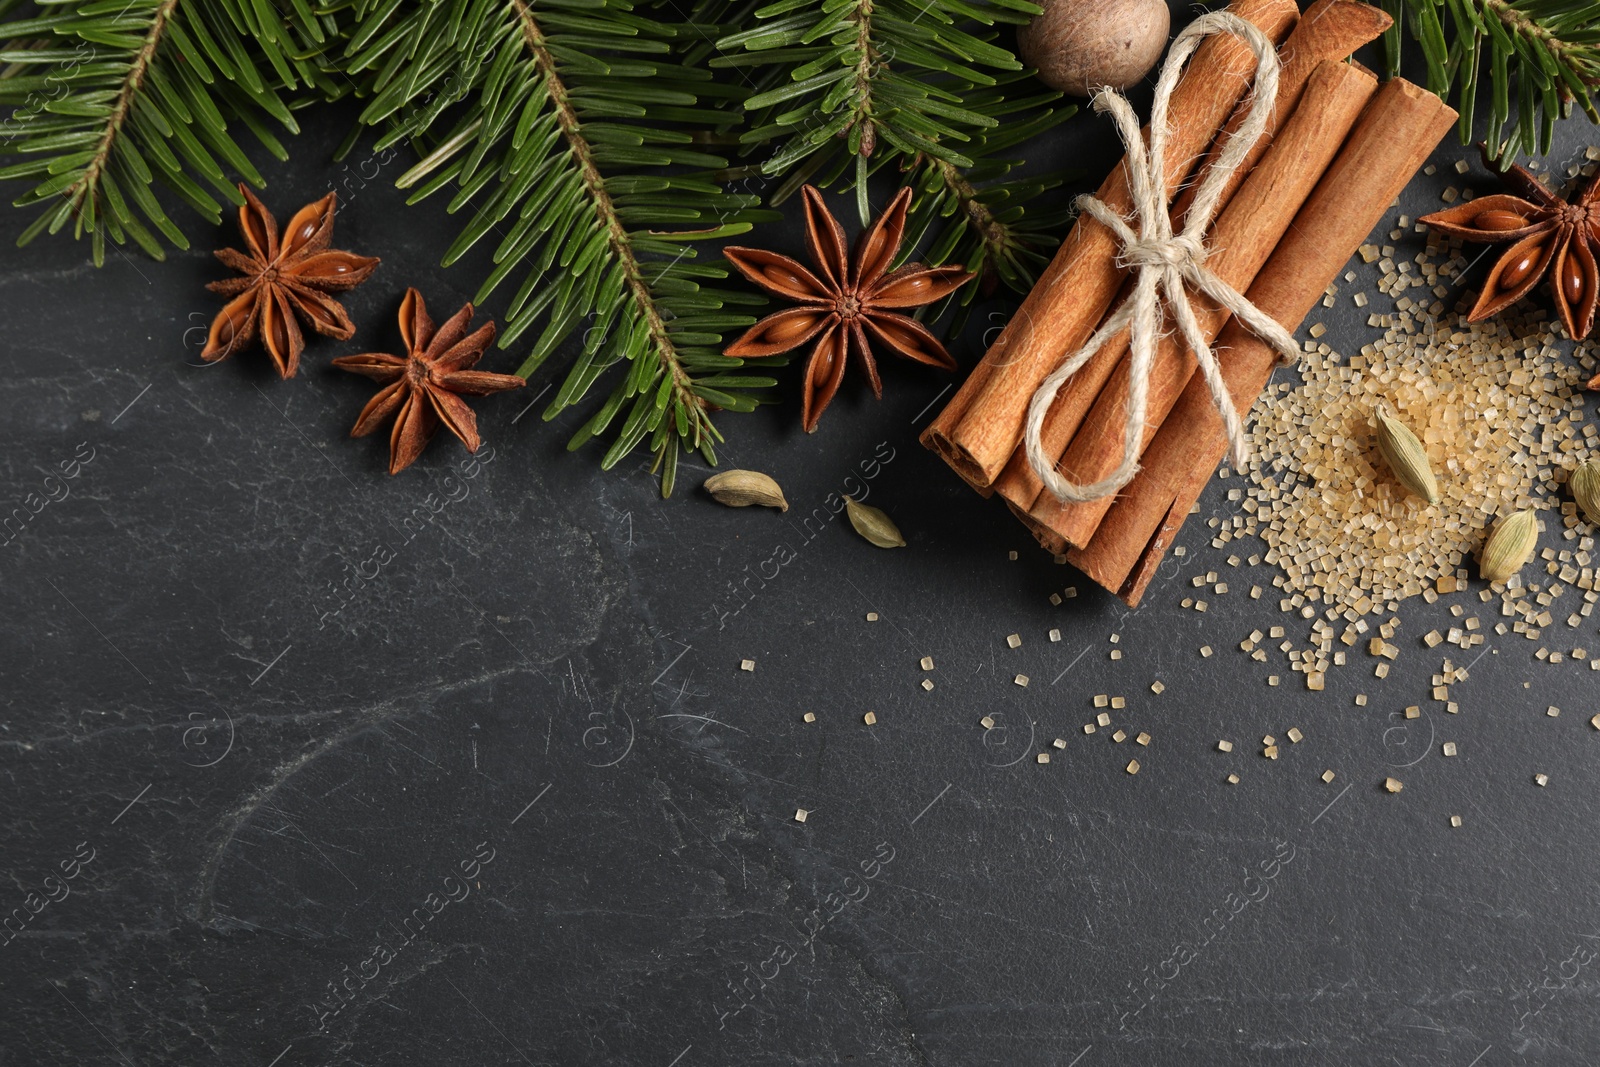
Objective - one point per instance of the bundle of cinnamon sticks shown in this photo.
(1338, 151)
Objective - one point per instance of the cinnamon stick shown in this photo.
(1393, 139)
(1330, 30)
(979, 429)
(1243, 236)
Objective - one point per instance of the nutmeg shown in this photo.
(1080, 45)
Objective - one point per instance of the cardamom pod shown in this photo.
(1585, 486)
(1406, 457)
(873, 524)
(740, 489)
(1512, 541)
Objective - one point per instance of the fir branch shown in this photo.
(568, 128)
(850, 88)
(1547, 50)
(661, 343)
(844, 79)
(979, 219)
(107, 103)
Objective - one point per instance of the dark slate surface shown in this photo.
(513, 801)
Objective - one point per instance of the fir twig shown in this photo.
(109, 100)
(567, 127)
(1548, 51)
(852, 87)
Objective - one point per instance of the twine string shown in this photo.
(1164, 261)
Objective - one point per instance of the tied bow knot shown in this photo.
(1166, 264)
(1179, 252)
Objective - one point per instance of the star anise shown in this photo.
(1548, 236)
(424, 388)
(846, 304)
(280, 278)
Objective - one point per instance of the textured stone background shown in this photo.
(544, 685)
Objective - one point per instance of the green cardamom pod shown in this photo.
(1510, 545)
(873, 524)
(740, 489)
(1585, 486)
(1406, 457)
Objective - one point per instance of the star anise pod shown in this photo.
(424, 388)
(1548, 236)
(847, 303)
(282, 277)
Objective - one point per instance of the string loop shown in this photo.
(1165, 263)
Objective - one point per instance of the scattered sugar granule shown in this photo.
(1393, 785)
(1157, 688)
(1327, 776)
(1118, 703)
(1143, 738)
(927, 684)
(1233, 779)
(872, 616)
(1120, 736)
(1059, 743)
(1015, 640)
(1496, 413)
(927, 663)
(1055, 635)
(1205, 650)
(800, 814)
(1043, 757)
(747, 665)
(870, 717)
(1103, 719)
(1413, 712)
(810, 716)
(1088, 727)
(1101, 700)
(1133, 766)
(1271, 752)
(1295, 736)
(1552, 711)
(1541, 780)
(1227, 746)
(1116, 653)
(1448, 748)
(1022, 680)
